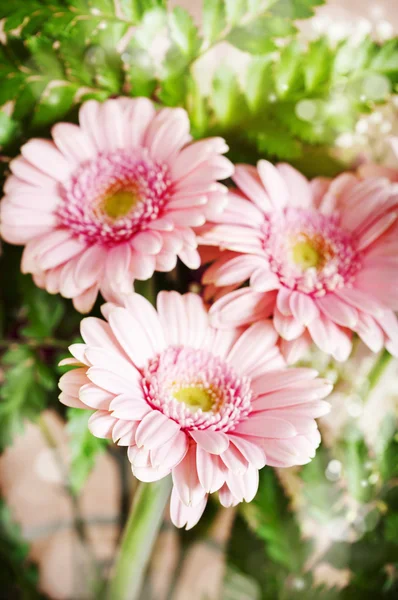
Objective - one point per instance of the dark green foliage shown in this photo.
(18, 577)
(84, 447)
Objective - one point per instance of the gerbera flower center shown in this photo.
(111, 198)
(119, 204)
(309, 251)
(195, 398)
(197, 389)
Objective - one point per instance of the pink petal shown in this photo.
(253, 453)
(303, 308)
(95, 397)
(338, 311)
(74, 143)
(44, 155)
(263, 280)
(288, 328)
(101, 424)
(215, 442)
(300, 193)
(129, 407)
(227, 499)
(149, 474)
(252, 345)
(173, 318)
(274, 184)
(109, 381)
(281, 379)
(360, 300)
(211, 470)
(182, 515)
(171, 453)
(142, 309)
(89, 118)
(196, 153)
(133, 336)
(71, 401)
(85, 301)
(260, 425)
(28, 173)
(283, 301)
(96, 332)
(155, 429)
(248, 180)
(234, 460)
(241, 307)
(90, 267)
(148, 242)
(186, 481)
(370, 332)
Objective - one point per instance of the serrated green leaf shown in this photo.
(18, 576)
(44, 311)
(8, 127)
(84, 446)
(213, 19)
(54, 104)
(234, 10)
(296, 9)
(197, 107)
(351, 57)
(259, 84)
(269, 516)
(184, 32)
(257, 36)
(228, 100)
(22, 395)
(317, 64)
(288, 72)
(278, 143)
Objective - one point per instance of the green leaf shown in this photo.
(213, 19)
(44, 311)
(318, 64)
(24, 391)
(85, 447)
(353, 57)
(387, 448)
(355, 458)
(198, 109)
(296, 9)
(269, 516)
(8, 127)
(184, 32)
(55, 102)
(257, 36)
(18, 576)
(288, 71)
(235, 9)
(259, 84)
(228, 101)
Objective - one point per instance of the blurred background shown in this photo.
(328, 530)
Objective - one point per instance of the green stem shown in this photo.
(145, 518)
(377, 370)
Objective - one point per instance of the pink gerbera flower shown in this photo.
(209, 406)
(320, 256)
(113, 199)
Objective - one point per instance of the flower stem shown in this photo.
(138, 538)
(378, 369)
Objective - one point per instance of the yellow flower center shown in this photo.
(195, 398)
(118, 205)
(306, 255)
